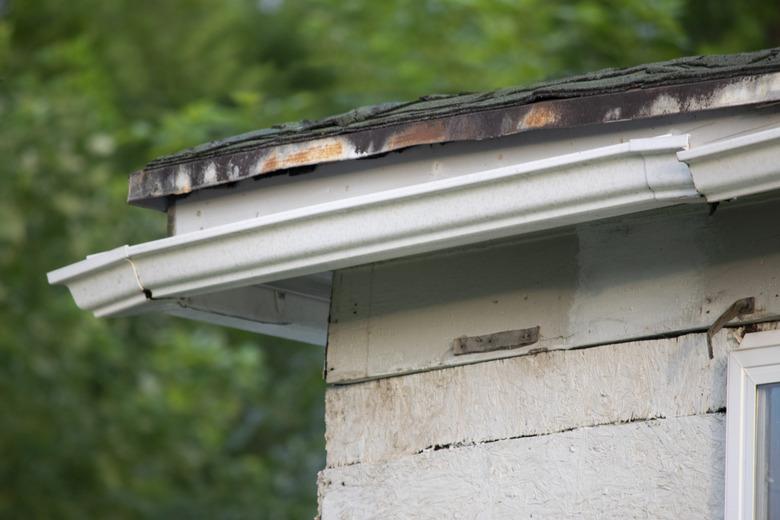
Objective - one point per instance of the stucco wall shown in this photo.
(633, 430)
(659, 469)
(630, 424)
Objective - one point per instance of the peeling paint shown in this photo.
(183, 181)
(427, 132)
(612, 114)
(289, 156)
(663, 105)
(541, 116)
(210, 174)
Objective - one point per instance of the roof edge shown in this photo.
(152, 187)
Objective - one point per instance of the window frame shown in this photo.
(755, 363)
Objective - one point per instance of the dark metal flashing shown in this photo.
(679, 86)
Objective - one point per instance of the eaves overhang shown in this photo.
(633, 176)
(249, 273)
(271, 274)
(682, 86)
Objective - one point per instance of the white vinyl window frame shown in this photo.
(755, 363)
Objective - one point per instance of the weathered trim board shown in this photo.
(542, 394)
(659, 272)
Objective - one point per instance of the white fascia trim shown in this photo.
(737, 166)
(619, 179)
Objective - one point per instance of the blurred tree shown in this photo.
(155, 417)
(134, 417)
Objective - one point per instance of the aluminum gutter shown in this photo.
(737, 166)
(607, 181)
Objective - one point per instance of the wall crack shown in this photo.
(468, 444)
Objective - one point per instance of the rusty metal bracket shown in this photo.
(505, 340)
(738, 308)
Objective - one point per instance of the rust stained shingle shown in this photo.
(677, 86)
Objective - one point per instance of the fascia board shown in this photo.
(190, 172)
(736, 167)
(633, 176)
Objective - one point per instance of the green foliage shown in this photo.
(156, 417)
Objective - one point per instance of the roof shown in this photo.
(678, 86)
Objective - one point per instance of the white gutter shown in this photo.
(613, 180)
(737, 166)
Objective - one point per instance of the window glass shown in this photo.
(768, 451)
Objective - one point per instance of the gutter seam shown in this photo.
(147, 292)
(647, 178)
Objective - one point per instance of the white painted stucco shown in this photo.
(667, 469)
